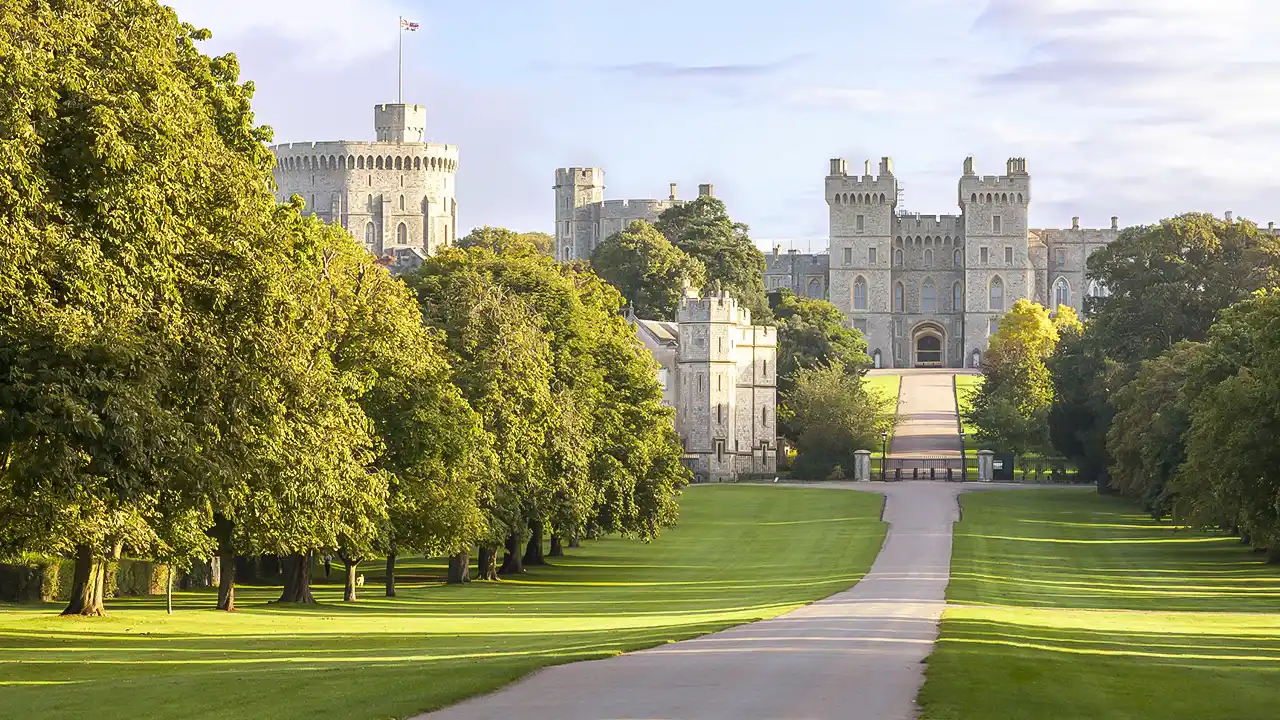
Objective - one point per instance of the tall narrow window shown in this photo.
(402, 234)
(370, 235)
(401, 202)
(764, 415)
(1061, 293)
(859, 294)
(957, 297)
(982, 255)
(871, 256)
(861, 222)
(719, 382)
(848, 256)
(996, 299)
(1008, 255)
(995, 224)
(897, 257)
(928, 298)
(956, 258)
(899, 298)
(928, 258)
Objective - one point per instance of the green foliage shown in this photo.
(812, 333)
(704, 231)
(1010, 409)
(648, 270)
(833, 414)
(504, 241)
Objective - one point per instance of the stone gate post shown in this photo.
(862, 465)
(985, 461)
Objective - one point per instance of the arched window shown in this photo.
(1061, 293)
(370, 235)
(402, 202)
(360, 163)
(859, 294)
(815, 288)
(957, 297)
(379, 162)
(995, 299)
(973, 197)
(402, 234)
(956, 258)
(897, 258)
(764, 415)
(928, 258)
(928, 297)
(899, 298)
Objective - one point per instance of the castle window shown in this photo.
(1061, 292)
(848, 256)
(993, 326)
(860, 326)
(402, 202)
(1008, 254)
(955, 258)
(699, 382)
(899, 298)
(928, 297)
(973, 197)
(719, 412)
(871, 256)
(370, 181)
(928, 258)
(719, 382)
(815, 289)
(860, 294)
(861, 222)
(995, 299)
(995, 223)
(764, 415)
(1019, 197)
(897, 258)
(982, 255)
(402, 234)
(379, 162)
(360, 163)
(957, 297)
(1060, 257)
(370, 235)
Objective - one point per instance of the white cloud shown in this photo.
(319, 32)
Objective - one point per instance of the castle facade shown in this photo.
(719, 371)
(397, 193)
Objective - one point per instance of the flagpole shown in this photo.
(400, 64)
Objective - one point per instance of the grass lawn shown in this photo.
(888, 386)
(740, 554)
(1066, 604)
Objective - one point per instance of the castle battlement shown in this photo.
(579, 175)
(356, 147)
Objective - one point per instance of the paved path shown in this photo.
(856, 655)
(927, 416)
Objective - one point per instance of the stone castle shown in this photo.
(925, 290)
(719, 372)
(396, 194)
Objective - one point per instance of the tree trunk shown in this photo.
(1273, 554)
(459, 568)
(226, 580)
(349, 593)
(488, 562)
(168, 592)
(391, 574)
(557, 550)
(533, 550)
(575, 541)
(87, 585)
(512, 562)
(296, 570)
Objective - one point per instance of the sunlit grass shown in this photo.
(740, 554)
(1070, 605)
(888, 386)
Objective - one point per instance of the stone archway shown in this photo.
(928, 346)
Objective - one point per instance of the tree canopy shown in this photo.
(703, 229)
(648, 270)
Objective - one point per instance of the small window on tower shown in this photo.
(982, 255)
(861, 222)
(1060, 257)
(871, 256)
(860, 326)
(1008, 254)
(995, 223)
(848, 256)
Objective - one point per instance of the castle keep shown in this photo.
(395, 193)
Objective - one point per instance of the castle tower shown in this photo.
(396, 194)
(998, 267)
(861, 228)
(575, 188)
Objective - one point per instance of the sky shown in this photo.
(1140, 109)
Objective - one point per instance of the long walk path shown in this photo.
(855, 655)
(927, 415)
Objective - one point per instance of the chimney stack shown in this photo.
(1075, 223)
(838, 166)
(1227, 215)
(1115, 223)
(673, 191)
(706, 190)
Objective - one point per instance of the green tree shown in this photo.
(1010, 409)
(703, 229)
(812, 333)
(648, 270)
(835, 414)
(502, 240)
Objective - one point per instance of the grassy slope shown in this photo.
(889, 387)
(740, 554)
(1076, 606)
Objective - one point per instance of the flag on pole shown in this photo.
(410, 26)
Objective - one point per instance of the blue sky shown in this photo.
(1135, 108)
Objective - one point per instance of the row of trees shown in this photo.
(189, 369)
(1170, 392)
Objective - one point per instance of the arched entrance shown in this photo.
(928, 344)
